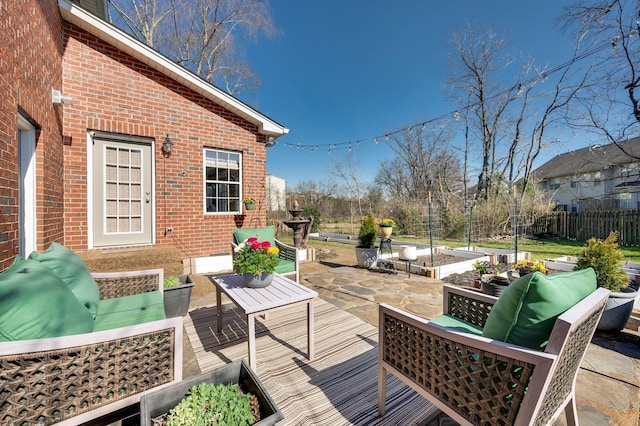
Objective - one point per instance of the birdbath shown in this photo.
(296, 223)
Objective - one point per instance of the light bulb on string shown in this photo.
(376, 140)
(456, 116)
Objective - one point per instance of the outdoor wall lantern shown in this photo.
(167, 146)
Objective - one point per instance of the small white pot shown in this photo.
(407, 253)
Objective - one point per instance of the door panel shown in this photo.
(122, 193)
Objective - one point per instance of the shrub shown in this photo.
(368, 233)
(605, 258)
(309, 212)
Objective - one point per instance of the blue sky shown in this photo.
(349, 70)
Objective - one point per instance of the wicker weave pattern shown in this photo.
(126, 286)
(47, 387)
(484, 388)
(468, 309)
(561, 384)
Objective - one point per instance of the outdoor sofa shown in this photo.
(497, 361)
(76, 346)
(289, 263)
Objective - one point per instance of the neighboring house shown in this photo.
(86, 109)
(276, 193)
(596, 177)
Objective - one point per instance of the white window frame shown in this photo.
(231, 200)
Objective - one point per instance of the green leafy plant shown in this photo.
(210, 404)
(605, 258)
(171, 282)
(312, 211)
(368, 233)
(253, 256)
(485, 267)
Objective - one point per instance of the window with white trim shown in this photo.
(222, 181)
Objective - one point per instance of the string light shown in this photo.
(456, 114)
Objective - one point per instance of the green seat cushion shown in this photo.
(73, 271)
(129, 310)
(262, 234)
(527, 310)
(456, 324)
(35, 303)
(285, 266)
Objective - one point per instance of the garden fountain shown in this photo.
(297, 223)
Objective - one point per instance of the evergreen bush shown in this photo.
(605, 258)
(368, 233)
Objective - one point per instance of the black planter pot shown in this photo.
(155, 403)
(177, 299)
(618, 310)
(493, 285)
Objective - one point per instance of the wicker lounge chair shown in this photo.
(481, 381)
(77, 378)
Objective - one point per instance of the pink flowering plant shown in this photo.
(253, 256)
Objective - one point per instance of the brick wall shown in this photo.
(117, 93)
(31, 64)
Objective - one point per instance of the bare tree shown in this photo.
(610, 32)
(348, 171)
(424, 163)
(204, 36)
(513, 121)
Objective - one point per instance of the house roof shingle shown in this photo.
(589, 159)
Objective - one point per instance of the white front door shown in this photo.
(27, 186)
(122, 190)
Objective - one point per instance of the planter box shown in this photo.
(177, 299)
(158, 402)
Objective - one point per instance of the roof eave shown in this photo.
(121, 40)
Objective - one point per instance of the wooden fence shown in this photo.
(584, 225)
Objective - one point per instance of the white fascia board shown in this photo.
(124, 42)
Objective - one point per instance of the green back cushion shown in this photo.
(527, 310)
(73, 271)
(35, 303)
(129, 310)
(262, 234)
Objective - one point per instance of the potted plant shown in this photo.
(605, 258)
(484, 268)
(523, 267)
(177, 295)
(249, 203)
(256, 261)
(386, 227)
(366, 250)
(202, 396)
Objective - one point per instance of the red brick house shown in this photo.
(85, 112)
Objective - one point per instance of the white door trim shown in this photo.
(27, 186)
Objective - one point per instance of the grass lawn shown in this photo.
(540, 249)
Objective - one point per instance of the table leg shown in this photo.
(310, 333)
(219, 308)
(251, 338)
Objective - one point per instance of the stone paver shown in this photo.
(608, 386)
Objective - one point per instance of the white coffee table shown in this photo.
(255, 301)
